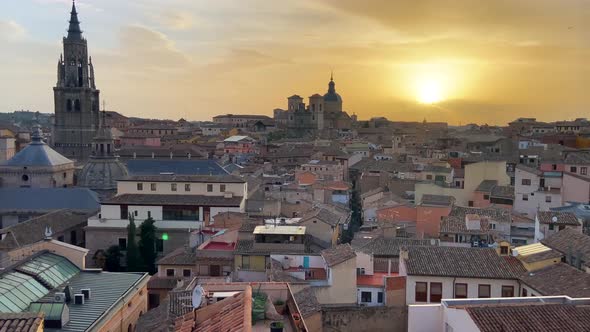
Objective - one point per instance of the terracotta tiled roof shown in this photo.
(486, 186)
(437, 200)
(493, 213)
(157, 282)
(560, 218)
(307, 302)
(458, 262)
(503, 192)
(456, 225)
(21, 322)
(338, 254)
(570, 242)
(381, 246)
(539, 318)
(559, 279)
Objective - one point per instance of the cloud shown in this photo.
(143, 47)
(175, 20)
(11, 31)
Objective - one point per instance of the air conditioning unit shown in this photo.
(79, 299)
(59, 297)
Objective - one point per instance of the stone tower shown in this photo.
(75, 95)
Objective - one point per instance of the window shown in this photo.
(554, 167)
(460, 291)
(551, 227)
(435, 292)
(186, 273)
(483, 291)
(366, 297)
(507, 291)
(209, 188)
(379, 297)
(173, 186)
(524, 292)
(170, 272)
(124, 212)
(60, 238)
(222, 188)
(547, 199)
(470, 203)
(122, 243)
(573, 169)
(421, 292)
(159, 245)
(246, 262)
(65, 175)
(187, 187)
(486, 197)
(503, 250)
(140, 186)
(149, 213)
(25, 178)
(526, 182)
(584, 170)
(428, 177)
(525, 197)
(152, 186)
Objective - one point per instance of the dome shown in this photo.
(102, 173)
(37, 154)
(332, 95)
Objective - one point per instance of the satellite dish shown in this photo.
(197, 296)
(554, 219)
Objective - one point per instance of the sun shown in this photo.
(429, 91)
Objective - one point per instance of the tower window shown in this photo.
(69, 105)
(77, 105)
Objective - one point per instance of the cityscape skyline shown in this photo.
(461, 63)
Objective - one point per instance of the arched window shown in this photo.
(69, 105)
(77, 105)
(102, 148)
(108, 148)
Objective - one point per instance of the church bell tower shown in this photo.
(75, 95)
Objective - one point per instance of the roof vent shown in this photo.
(79, 299)
(86, 292)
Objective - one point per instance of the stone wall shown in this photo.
(374, 319)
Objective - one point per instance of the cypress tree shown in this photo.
(133, 259)
(147, 244)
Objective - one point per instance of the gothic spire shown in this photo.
(74, 31)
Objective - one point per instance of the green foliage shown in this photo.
(134, 263)
(147, 244)
(113, 259)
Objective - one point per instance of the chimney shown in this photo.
(472, 222)
(404, 254)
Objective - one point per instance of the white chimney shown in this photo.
(472, 222)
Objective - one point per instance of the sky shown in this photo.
(458, 61)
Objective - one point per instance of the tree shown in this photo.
(133, 259)
(147, 244)
(113, 259)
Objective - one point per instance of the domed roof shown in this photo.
(102, 174)
(332, 95)
(37, 154)
(103, 169)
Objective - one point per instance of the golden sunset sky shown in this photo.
(478, 61)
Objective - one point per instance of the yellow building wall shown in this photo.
(540, 264)
(127, 314)
(257, 263)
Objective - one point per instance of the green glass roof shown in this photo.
(53, 311)
(17, 290)
(50, 269)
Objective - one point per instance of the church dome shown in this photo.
(37, 154)
(332, 95)
(103, 169)
(102, 173)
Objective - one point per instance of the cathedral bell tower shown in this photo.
(75, 95)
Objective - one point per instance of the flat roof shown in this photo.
(287, 230)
